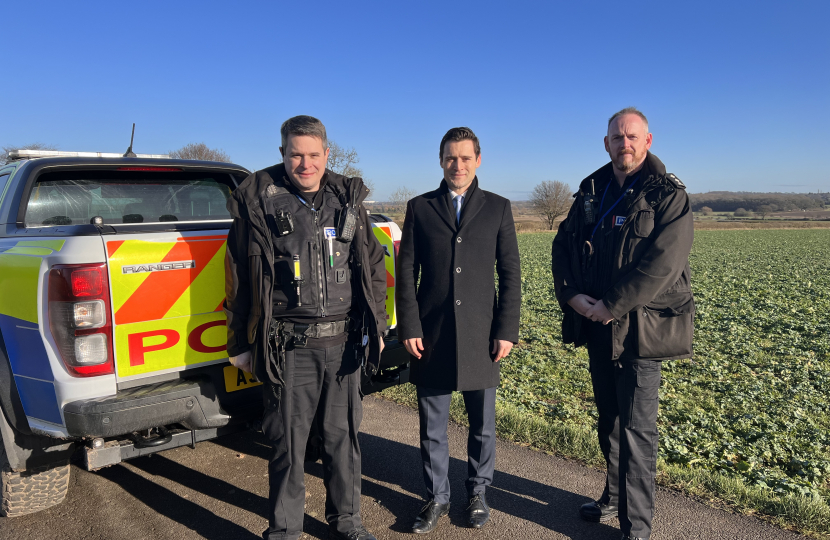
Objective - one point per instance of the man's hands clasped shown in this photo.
(591, 308)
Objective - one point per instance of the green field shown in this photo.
(753, 404)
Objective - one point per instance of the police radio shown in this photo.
(346, 223)
(589, 201)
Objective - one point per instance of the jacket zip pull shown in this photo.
(319, 265)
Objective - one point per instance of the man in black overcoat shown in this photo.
(454, 322)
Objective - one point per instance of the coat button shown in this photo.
(458, 270)
(458, 302)
(458, 239)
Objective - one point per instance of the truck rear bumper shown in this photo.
(192, 403)
(199, 402)
(112, 452)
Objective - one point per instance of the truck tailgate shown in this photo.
(167, 293)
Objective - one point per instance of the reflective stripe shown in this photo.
(20, 267)
(20, 274)
(24, 345)
(39, 399)
(149, 296)
(168, 317)
(384, 236)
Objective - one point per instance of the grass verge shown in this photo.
(808, 515)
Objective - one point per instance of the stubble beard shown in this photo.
(627, 166)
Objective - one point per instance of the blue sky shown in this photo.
(737, 93)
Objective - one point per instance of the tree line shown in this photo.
(732, 201)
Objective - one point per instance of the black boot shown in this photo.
(598, 511)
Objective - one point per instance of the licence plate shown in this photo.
(236, 379)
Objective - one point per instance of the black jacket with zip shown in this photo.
(259, 275)
(650, 278)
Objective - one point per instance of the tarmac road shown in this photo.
(220, 491)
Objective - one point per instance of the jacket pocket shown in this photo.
(283, 283)
(338, 274)
(643, 224)
(666, 331)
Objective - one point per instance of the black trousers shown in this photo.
(434, 413)
(626, 394)
(325, 382)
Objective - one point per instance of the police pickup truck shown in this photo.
(112, 334)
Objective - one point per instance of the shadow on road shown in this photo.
(166, 503)
(389, 462)
(218, 489)
(547, 506)
(190, 514)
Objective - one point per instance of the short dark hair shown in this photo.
(304, 125)
(629, 110)
(459, 134)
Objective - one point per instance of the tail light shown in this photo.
(397, 246)
(79, 317)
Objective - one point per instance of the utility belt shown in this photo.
(300, 333)
(281, 333)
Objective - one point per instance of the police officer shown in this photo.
(621, 274)
(306, 286)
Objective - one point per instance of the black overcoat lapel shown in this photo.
(473, 203)
(439, 204)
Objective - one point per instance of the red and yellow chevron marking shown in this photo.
(168, 319)
(384, 236)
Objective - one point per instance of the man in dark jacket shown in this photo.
(453, 322)
(621, 274)
(306, 282)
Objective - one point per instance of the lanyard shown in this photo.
(311, 206)
(602, 201)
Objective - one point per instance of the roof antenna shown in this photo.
(129, 152)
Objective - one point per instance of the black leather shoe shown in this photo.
(478, 513)
(359, 533)
(429, 516)
(598, 512)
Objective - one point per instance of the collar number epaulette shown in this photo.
(273, 190)
(675, 180)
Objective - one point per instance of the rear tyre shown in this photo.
(31, 491)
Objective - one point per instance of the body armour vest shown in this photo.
(323, 262)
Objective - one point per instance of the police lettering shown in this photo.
(138, 346)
